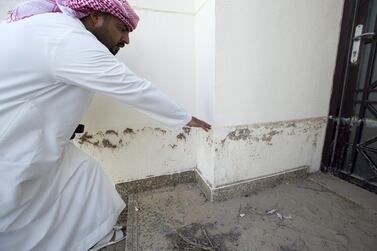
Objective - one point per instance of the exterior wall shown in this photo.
(274, 62)
(128, 154)
(161, 50)
(258, 150)
(274, 59)
(205, 83)
(259, 71)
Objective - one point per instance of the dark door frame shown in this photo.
(338, 81)
(341, 90)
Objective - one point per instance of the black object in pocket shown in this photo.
(79, 129)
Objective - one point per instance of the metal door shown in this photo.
(350, 150)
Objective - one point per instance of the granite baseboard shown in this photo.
(151, 183)
(212, 193)
(249, 186)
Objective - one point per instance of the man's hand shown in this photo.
(199, 123)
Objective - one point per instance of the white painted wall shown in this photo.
(258, 150)
(176, 6)
(274, 59)
(6, 5)
(140, 153)
(205, 60)
(205, 82)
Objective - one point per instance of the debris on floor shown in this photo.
(295, 216)
(279, 215)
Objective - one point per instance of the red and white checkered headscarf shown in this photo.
(76, 8)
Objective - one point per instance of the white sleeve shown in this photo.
(80, 59)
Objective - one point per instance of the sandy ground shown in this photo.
(289, 217)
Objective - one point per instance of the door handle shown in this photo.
(366, 37)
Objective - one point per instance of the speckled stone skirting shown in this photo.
(248, 186)
(212, 193)
(151, 183)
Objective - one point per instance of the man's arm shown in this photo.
(88, 64)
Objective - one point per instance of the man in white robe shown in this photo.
(52, 195)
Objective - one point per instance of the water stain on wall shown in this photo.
(87, 138)
(128, 131)
(109, 139)
(107, 144)
(209, 140)
(256, 133)
(112, 139)
(160, 130)
(265, 132)
(242, 134)
(268, 136)
(173, 146)
(186, 130)
(239, 134)
(111, 132)
(181, 136)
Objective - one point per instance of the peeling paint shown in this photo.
(244, 134)
(267, 148)
(100, 133)
(181, 136)
(240, 134)
(315, 140)
(136, 152)
(265, 132)
(173, 146)
(112, 139)
(111, 132)
(86, 138)
(254, 149)
(291, 124)
(209, 140)
(268, 137)
(160, 130)
(107, 144)
(187, 130)
(128, 131)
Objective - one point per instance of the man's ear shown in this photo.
(96, 19)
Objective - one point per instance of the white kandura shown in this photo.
(52, 195)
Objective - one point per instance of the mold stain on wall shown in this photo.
(128, 131)
(162, 131)
(181, 136)
(115, 139)
(233, 146)
(187, 130)
(87, 138)
(111, 132)
(265, 132)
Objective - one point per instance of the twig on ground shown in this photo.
(209, 240)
